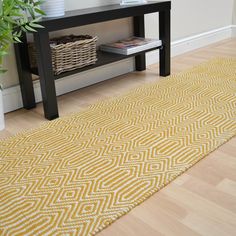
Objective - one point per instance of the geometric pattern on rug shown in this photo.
(78, 174)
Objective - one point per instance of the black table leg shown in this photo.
(25, 77)
(139, 31)
(164, 29)
(46, 74)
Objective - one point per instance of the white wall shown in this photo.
(189, 17)
(192, 17)
(234, 13)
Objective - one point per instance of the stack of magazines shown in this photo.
(131, 45)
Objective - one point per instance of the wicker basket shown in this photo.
(69, 53)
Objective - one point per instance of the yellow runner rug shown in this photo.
(78, 174)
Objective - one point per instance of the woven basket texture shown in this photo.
(69, 56)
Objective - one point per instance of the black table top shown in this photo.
(103, 13)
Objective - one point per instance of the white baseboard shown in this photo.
(12, 96)
(233, 30)
(188, 44)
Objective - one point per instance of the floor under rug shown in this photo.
(78, 174)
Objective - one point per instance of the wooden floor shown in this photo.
(200, 202)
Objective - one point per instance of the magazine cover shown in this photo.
(131, 45)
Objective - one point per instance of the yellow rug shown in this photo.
(78, 174)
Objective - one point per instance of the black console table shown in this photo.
(84, 17)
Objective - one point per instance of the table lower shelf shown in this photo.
(104, 58)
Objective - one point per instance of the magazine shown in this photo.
(131, 45)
